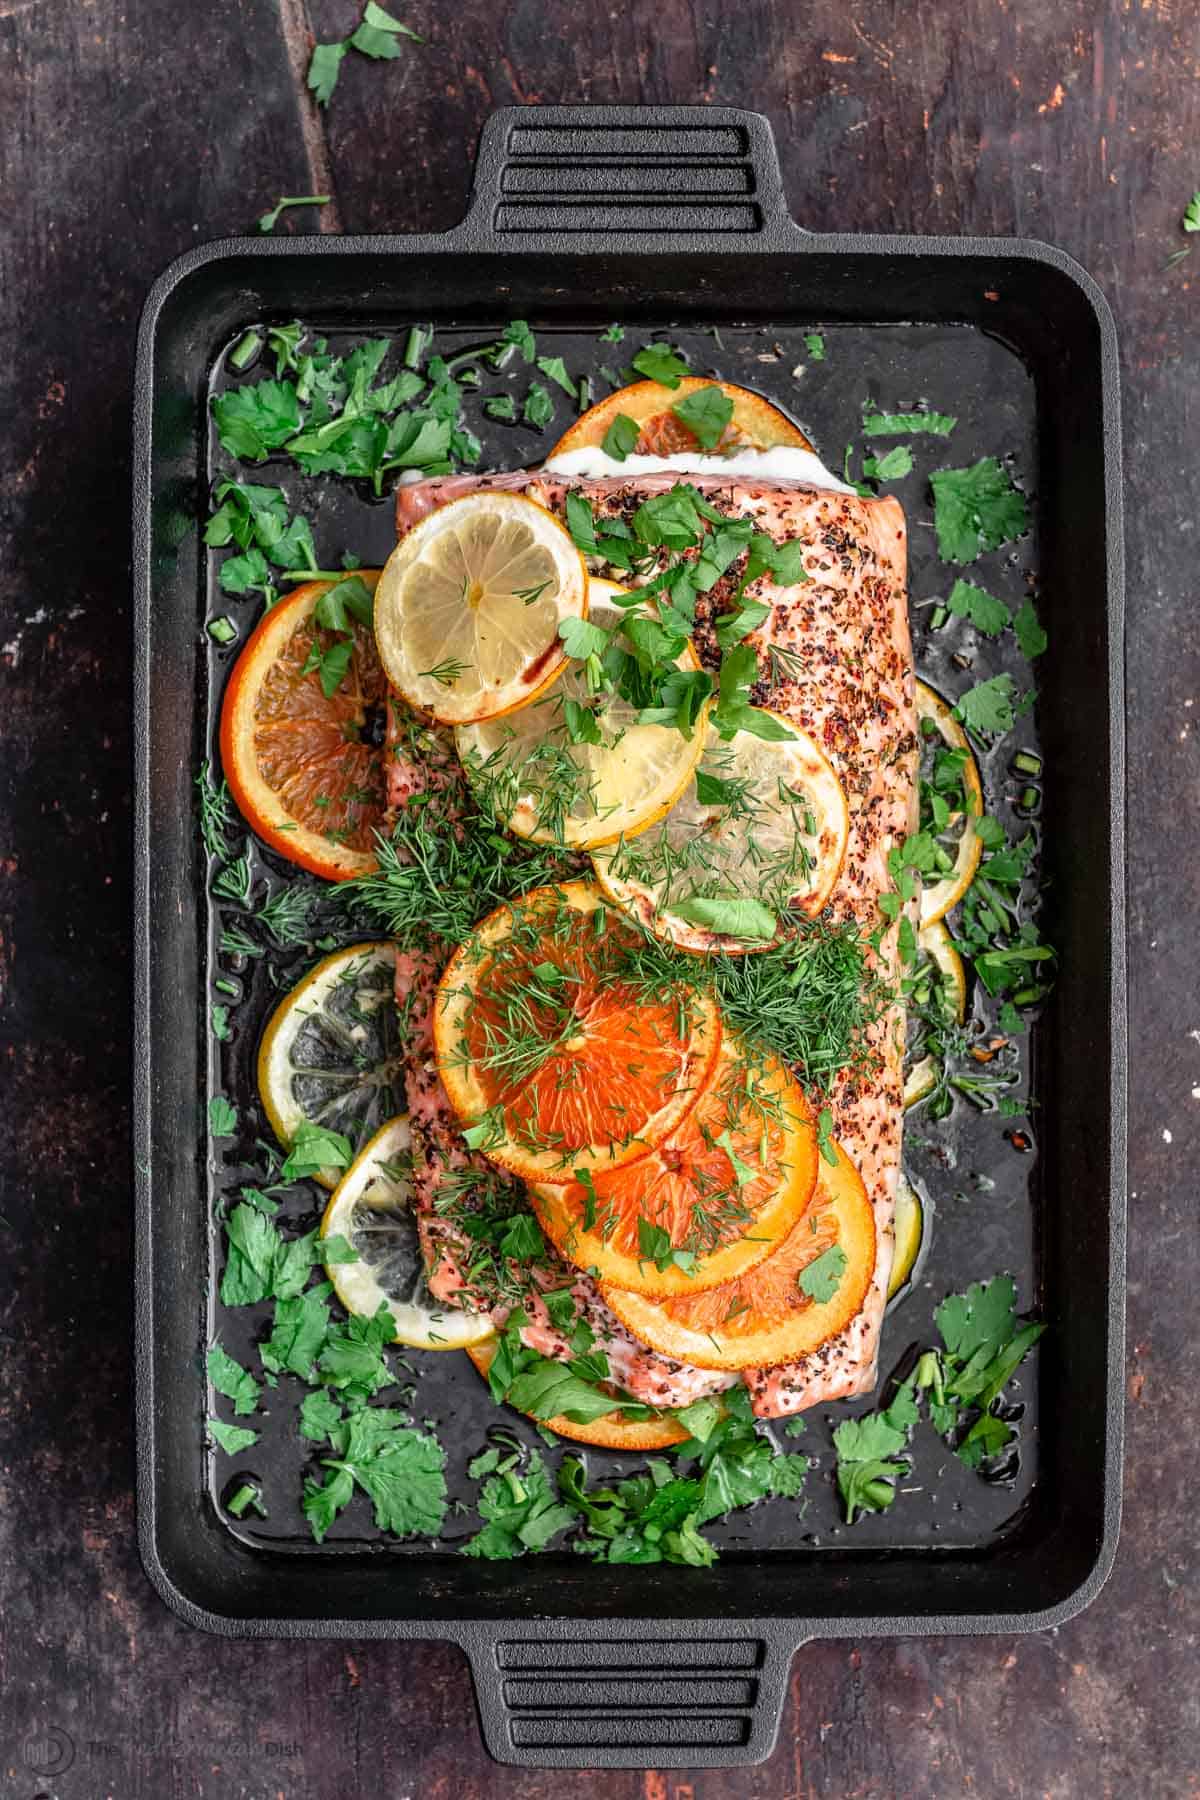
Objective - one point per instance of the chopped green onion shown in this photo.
(1030, 799)
(585, 393)
(246, 1496)
(419, 339)
(1027, 762)
(246, 349)
(222, 630)
(937, 618)
(224, 986)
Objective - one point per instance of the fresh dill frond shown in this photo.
(235, 942)
(216, 817)
(810, 998)
(233, 882)
(286, 915)
(439, 874)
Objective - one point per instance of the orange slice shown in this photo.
(765, 1317)
(611, 1431)
(755, 424)
(719, 1213)
(552, 1060)
(307, 770)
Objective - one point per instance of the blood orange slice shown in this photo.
(553, 1061)
(611, 1431)
(305, 766)
(753, 425)
(791, 1304)
(712, 1201)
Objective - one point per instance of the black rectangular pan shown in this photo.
(670, 219)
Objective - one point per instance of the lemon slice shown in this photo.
(331, 1054)
(549, 787)
(469, 604)
(937, 897)
(371, 1207)
(910, 1229)
(936, 945)
(761, 822)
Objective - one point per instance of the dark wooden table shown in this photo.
(133, 130)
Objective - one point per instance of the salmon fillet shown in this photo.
(846, 678)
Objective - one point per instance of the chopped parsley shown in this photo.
(377, 35)
(661, 363)
(988, 708)
(820, 1279)
(400, 1469)
(976, 509)
(985, 612)
(880, 424)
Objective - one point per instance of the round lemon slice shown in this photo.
(469, 604)
(910, 1230)
(371, 1207)
(939, 896)
(332, 1053)
(936, 946)
(552, 784)
(761, 827)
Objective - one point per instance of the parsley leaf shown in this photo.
(814, 343)
(521, 1512)
(1030, 635)
(256, 418)
(539, 407)
(987, 708)
(889, 467)
(555, 369)
(620, 440)
(821, 1278)
(706, 412)
(229, 1378)
(402, 1471)
(869, 1465)
(316, 1147)
(878, 424)
(976, 509)
(324, 67)
(299, 1332)
(377, 35)
(661, 363)
(736, 917)
(232, 1438)
(1191, 214)
(985, 612)
(222, 1117)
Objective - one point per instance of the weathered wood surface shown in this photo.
(129, 131)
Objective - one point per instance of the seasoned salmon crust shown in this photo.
(843, 673)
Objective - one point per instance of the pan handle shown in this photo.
(588, 172)
(709, 1697)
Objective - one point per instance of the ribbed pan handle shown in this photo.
(624, 1703)
(589, 172)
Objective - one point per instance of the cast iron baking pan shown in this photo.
(670, 220)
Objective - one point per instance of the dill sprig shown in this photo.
(439, 874)
(215, 815)
(234, 881)
(809, 998)
(286, 915)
